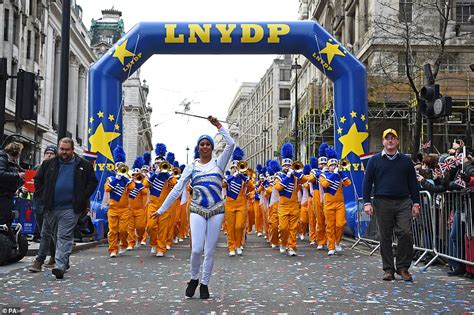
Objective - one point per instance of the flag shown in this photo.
(459, 181)
(426, 145)
(366, 156)
(458, 159)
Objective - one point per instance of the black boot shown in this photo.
(203, 291)
(458, 271)
(192, 285)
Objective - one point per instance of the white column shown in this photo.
(72, 97)
(57, 74)
(82, 106)
(48, 91)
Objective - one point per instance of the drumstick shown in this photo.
(197, 116)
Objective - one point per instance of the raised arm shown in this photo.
(224, 158)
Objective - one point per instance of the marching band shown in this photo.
(280, 202)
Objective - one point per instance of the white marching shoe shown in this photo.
(159, 254)
(291, 252)
(113, 255)
(122, 251)
(232, 253)
(259, 234)
(143, 243)
(331, 252)
(302, 237)
(153, 250)
(168, 247)
(320, 247)
(282, 249)
(274, 246)
(130, 248)
(239, 251)
(338, 248)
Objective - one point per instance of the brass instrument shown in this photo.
(242, 167)
(165, 166)
(140, 177)
(123, 169)
(297, 166)
(176, 172)
(344, 163)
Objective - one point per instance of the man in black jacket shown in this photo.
(11, 178)
(66, 182)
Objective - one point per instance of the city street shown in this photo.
(261, 282)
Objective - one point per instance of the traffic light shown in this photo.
(26, 96)
(434, 105)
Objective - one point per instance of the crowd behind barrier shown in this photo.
(444, 229)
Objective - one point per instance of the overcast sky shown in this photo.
(209, 81)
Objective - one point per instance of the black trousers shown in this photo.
(6, 207)
(394, 217)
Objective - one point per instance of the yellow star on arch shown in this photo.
(353, 114)
(91, 120)
(342, 119)
(362, 117)
(352, 141)
(117, 127)
(339, 130)
(100, 141)
(332, 50)
(100, 114)
(121, 52)
(111, 117)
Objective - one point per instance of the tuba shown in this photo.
(165, 167)
(242, 167)
(297, 166)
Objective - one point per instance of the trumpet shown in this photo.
(165, 167)
(140, 177)
(344, 163)
(242, 166)
(297, 166)
(122, 169)
(176, 172)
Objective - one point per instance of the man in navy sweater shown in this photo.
(396, 200)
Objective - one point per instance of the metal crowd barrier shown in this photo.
(442, 229)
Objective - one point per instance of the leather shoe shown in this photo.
(405, 274)
(388, 276)
(59, 273)
(203, 291)
(192, 285)
(456, 272)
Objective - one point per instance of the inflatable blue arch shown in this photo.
(303, 37)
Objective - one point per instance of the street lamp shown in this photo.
(265, 131)
(187, 155)
(295, 66)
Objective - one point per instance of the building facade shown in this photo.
(375, 32)
(31, 41)
(137, 136)
(260, 112)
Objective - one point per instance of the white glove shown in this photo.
(336, 171)
(236, 173)
(118, 176)
(325, 169)
(290, 172)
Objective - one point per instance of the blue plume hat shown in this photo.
(139, 162)
(331, 154)
(237, 155)
(322, 153)
(306, 169)
(170, 157)
(181, 167)
(313, 162)
(274, 166)
(119, 155)
(160, 151)
(263, 173)
(259, 168)
(196, 152)
(287, 154)
(146, 158)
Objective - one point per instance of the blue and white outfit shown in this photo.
(207, 206)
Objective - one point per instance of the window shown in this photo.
(16, 27)
(5, 26)
(402, 57)
(285, 74)
(14, 70)
(37, 47)
(284, 112)
(28, 46)
(449, 64)
(285, 95)
(405, 11)
(464, 9)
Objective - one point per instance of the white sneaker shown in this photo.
(312, 243)
(180, 240)
(291, 252)
(159, 254)
(232, 253)
(143, 243)
(331, 252)
(339, 248)
(320, 247)
(302, 237)
(153, 250)
(239, 251)
(130, 248)
(282, 249)
(113, 255)
(274, 246)
(259, 234)
(168, 247)
(175, 241)
(122, 251)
